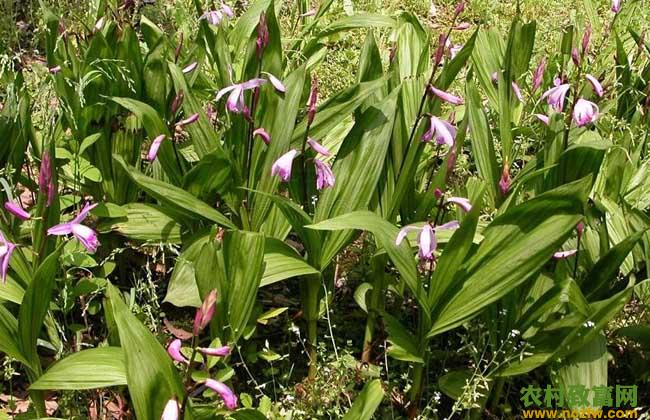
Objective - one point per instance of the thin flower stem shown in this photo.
(575, 264)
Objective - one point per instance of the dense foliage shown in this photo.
(192, 230)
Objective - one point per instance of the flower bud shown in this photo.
(205, 313)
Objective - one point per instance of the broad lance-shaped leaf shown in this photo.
(35, 305)
(154, 126)
(151, 375)
(367, 401)
(385, 234)
(282, 262)
(144, 222)
(174, 197)
(9, 336)
(358, 166)
(515, 245)
(101, 367)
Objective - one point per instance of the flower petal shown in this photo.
(229, 398)
(317, 147)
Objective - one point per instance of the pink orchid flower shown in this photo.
(16, 210)
(235, 102)
(174, 351)
(171, 411)
(595, 84)
(585, 112)
(443, 132)
(282, 166)
(229, 398)
(263, 134)
(446, 96)
(517, 90)
(205, 312)
(543, 118)
(461, 202)
(317, 147)
(560, 255)
(324, 175)
(556, 96)
(153, 149)
(427, 242)
(222, 351)
(84, 234)
(6, 249)
(538, 76)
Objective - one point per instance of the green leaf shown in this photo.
(12, 291)
(174, 197)
(88, 369)
(367, 401)
(404, 345)
(35, 305)
(145, 222)
(9, 344)
(282, 262)
(453, 383)
(151, 375)
(515, 246)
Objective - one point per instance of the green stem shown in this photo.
(311, 311)
(375, 305)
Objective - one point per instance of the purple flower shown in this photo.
(317, 147)
(324, 175)
(443, 132)
(229, 398)
(55, 69)
(538, 76)
(586, 38)
(222, 351)
(585, 112)
(174, 351)
(189, 120)
(543, 118)
(460, 7)
(282, 166)
(227, 10)
(580, 229)
(504, 182)
(446, 96)
(84, 234)
(191, 67)
(214, 17)
(6, 249)
(235, 102)
(262, 40)
(575, 56)
(277, 83)
(310, 12)
(266, 137)
(311, 102)
(556, 95)
(560, 255)
(46, 178)
(205, 312)
(454, 49)
(462, 26)
(461, 202)
(427, 242)
(16, 210)
(517, 91)
(171, 411)
(595, 84)
(616, 6)
(495, 77)
(153, 149)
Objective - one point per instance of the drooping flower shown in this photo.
(517, 90)
(446, 96)
(555, 96)
(426, 238)
(235, 102)
(153, 149)
(454, 49)
(282, 166)
(308, 13)
(171, 411)
(616, 6)
(324, 175)
(55, 69)
(585, 112)
(462, 26)
(504, 182)
(229, 398)
(317, 147)
(205, 312)
(222, 351)
(214, 17)
(190, 68)
(313, 99)
(174, 351)
(263, 134)
(443, 132)
(564, 254)
(461, 202)
(543, 118)
(227, 10)
(84, 234)
(46, 178)
(277, 83)
(538, 76)
(16, 210)
(6, 249)
(595, 84)
(189, 120)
